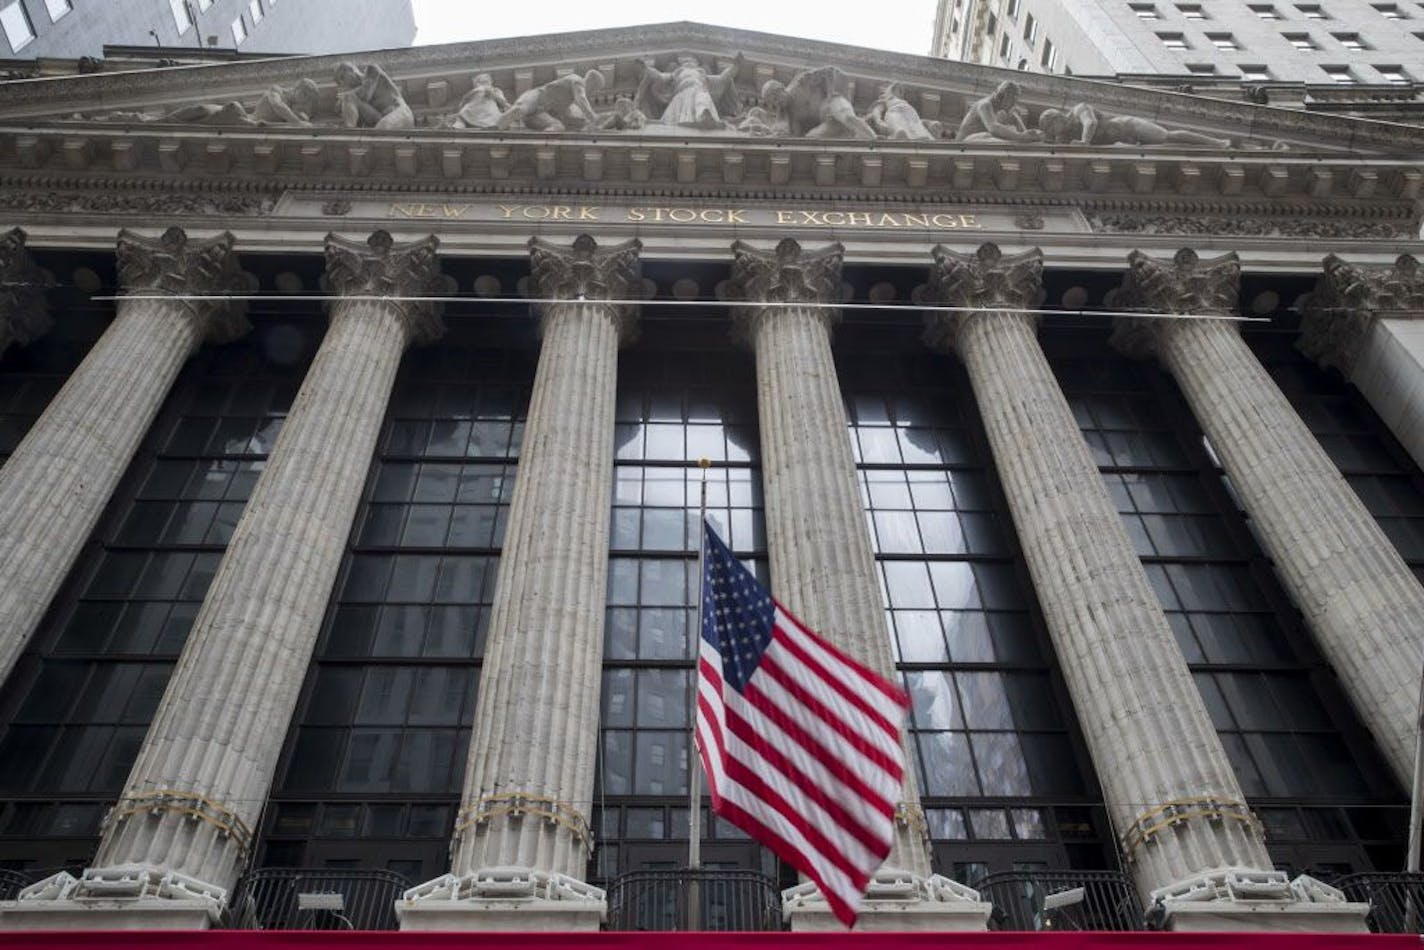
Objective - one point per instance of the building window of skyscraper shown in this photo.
(1312, 11)
(58, 8)
(1351, 41)
(1146, 11)
(1049, 59)
(1191, 11)
(1340, 74)
(1201, 69)
(1391, 11)
(1011, 9)
(1394, 74)
(1223, 41)
(239, 31)
(1004, 46)
(182, 17)
(1174, 40)
(1265, 11)
(1030, 30)
(1254, 73)
(1301, 41)
(18, 29)
(254, 7)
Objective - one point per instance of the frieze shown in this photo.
(731, 216)
(136, 203)
(1245, 226)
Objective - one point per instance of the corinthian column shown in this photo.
(23, 313)
(1369, 323)
(1169, 788)
(57, 482)
(523, 830)
(1358, 596)
(177, 840)
(822, 565)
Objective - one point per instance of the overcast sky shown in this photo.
(900, 25)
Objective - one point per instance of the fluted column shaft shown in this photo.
(822, 565)
(195, 793)
(56, 484)
(1364, 605)
(529, 780)
(1359, 598)
(1151, 740)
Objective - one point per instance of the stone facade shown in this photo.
(554, 183)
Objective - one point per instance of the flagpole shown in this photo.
(694, 765)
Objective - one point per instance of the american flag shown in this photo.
(801, 744)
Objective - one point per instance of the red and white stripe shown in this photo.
(807, 759)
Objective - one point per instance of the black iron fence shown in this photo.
(1396, 899)
(317, 899)
(1061, 900)
(687, 899)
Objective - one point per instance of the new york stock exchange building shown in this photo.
(350, 417)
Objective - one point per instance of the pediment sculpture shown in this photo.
(685, 98)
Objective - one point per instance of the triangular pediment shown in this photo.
(433, 81)
(741, 111)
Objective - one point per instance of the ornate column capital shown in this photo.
(379, 267)
(786, 275)
(173, 264)
(985, 280)
(1185, 284)
(585, 271)
(24, 314)
(1347, 297)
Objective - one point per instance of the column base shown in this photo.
(1251, 901)
(894, 901)
(128, 897)
(503, 899)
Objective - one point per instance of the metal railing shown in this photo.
(687, 899)
(1062, 900)
(317, 899)
(12, 882)
(1396, 899)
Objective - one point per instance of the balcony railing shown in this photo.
(1396, 899)
(701, 899)
(317, 899)
(1061, 900)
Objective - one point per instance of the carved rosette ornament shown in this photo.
(1347, 299)
(1184, 285)
(24, 314)
(404, 274)
(190, 270)
(584, 271)
(985, 281)
(786, 275)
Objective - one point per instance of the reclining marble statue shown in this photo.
(1083, 125)
(557, 105)
(688, 96)
(277, 105)
(995, 118)
(893, 118)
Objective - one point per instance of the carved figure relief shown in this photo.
(557, 105)
(366, 98)
(688, 96)
(815, 105)
(893, 118)
(1084, 125)
(482, 106)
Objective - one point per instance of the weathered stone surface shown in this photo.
(1358, 596)
(530, 775)
(822, 566)
(57, 482)
(213, 746)
(1169, 787)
